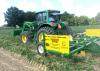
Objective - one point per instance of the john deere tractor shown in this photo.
(48, 22)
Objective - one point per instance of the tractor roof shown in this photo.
(48, 11)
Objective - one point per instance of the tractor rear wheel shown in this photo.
(25, 37)
(66, 30)
(47, 30)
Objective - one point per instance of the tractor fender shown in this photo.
(43, 25)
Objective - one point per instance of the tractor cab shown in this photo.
(54, 16)
(48, 16)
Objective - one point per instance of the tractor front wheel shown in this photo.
(25, 37)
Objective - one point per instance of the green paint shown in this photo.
(57, 53)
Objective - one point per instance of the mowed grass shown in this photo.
(53, 63)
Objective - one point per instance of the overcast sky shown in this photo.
(78, 7)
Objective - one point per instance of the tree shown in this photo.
(76, 21)
(73, 20)
(68, 18)
(97, 17)
(14, 16)
(93, 20)
(84, 20)
(64, 16)
(30, 16)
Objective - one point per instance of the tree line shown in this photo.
(14, 17)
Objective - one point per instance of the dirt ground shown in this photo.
(14, 62)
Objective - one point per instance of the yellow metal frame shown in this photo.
(57, 43)
(92, 32)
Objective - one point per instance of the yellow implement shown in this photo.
(58, 43)
(92, 32)
(63, 45)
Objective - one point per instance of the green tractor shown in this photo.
(48, 22)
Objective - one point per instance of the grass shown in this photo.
(94, 49)
(79, 29)
(53, 63)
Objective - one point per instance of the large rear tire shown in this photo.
(66, 30)
(47, 30)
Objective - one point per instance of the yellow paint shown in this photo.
(70, 38)
(92, 32)
(40, 37)
(81, 54)
(24, 39)
(59, 43)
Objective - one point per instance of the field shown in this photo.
(53, 63)
(79, 29)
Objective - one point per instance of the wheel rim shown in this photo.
(41, 49)
(40, 37)
(24, 39)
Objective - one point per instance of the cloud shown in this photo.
(66, 5)
(4, 4)
(62, 5)
(46, 4)
(26, 5)
(90, 11)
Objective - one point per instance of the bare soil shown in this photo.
(13, 62)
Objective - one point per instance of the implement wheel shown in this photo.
(40, 49)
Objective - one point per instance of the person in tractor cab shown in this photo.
(54, 17)
(51, 18)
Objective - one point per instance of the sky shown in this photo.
(88, 8)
